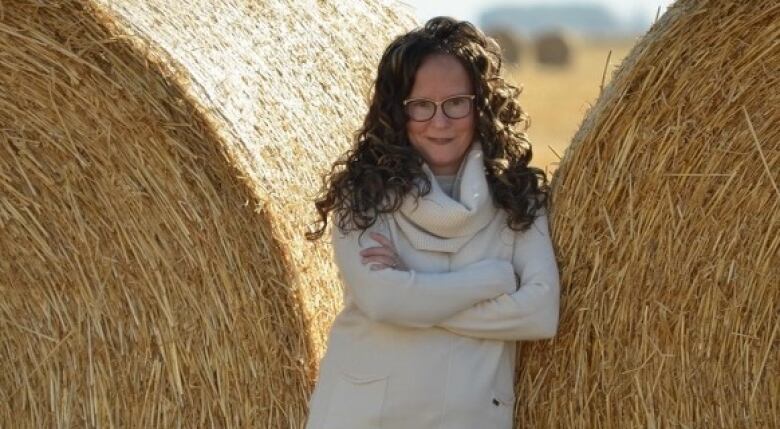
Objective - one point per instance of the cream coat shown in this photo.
(434, 347)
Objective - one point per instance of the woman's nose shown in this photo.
(439, 119)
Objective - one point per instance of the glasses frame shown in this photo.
(437, 106)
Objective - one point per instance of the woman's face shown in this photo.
(441, 141)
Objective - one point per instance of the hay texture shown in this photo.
(553, 49)
(158, 163)
(666, 216)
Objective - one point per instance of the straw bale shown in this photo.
(511, 44)
(666, 218)
(157, 169)
(553, 48)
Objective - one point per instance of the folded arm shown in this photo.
(413, 298)
(531, 312)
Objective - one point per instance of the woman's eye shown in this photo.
(421, 105)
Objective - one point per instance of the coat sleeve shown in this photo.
(531, 312)
(413, 298)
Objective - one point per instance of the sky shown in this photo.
(623, 10)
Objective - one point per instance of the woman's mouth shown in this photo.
(440, 140)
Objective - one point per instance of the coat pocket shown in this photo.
(356, 402)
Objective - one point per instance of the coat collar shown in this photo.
(438, 222)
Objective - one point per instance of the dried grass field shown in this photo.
(556, 98)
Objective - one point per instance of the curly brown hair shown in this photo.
(374, 176)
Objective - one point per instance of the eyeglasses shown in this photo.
(422, 109)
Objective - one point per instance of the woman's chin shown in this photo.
(445, 165)
(443, 157)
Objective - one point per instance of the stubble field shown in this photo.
(556, 98)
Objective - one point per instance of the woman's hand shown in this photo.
(384, 256)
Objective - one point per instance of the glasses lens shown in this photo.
(457, 107)
(420, 110)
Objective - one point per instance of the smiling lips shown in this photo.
(440, 140)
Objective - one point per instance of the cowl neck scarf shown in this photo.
(440, 223)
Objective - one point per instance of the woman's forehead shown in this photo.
(441, 76)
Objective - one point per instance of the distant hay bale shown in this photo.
(553, 48)
(158, 163)
(511, 44)
(666, 219)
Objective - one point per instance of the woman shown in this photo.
(442, 243)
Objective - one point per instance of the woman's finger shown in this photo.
(377, 251)
(384, 241)
(386, 260)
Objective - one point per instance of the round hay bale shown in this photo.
(666, 219)
(511, 44)
(159, 160)
(553, 48)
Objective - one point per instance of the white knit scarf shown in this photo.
(438, 222)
